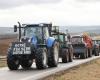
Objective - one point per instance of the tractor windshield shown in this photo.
(77, 39)
(61, 38)
(33, 31)
(98, 41)
(55, 36)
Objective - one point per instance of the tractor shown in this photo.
(65, 47)
(82, 45)
(96, 47)
(35, 44)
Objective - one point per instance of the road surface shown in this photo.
(34, 74)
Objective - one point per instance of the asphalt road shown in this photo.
(34, 74)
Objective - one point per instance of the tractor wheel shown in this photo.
(53, 55)
(70, 55)
(12, 61)
(86, 53)
(65, 55)
(96, 52)
(26, 64)
(89, 52)
(41, 58)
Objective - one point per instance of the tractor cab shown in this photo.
(77, 39)
(34, 33)
(61, 38)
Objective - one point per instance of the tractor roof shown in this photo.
(74, 36)
(37, 25)
(60, 33)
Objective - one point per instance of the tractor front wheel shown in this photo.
(12, 61)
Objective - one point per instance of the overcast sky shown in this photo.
(60, 12)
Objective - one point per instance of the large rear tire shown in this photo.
(89, 52)
(96, 52)
(65, 55)
(12, 61)
(70, 55)
(53, 55)
(41, 58)
(86, 53)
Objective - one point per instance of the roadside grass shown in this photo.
(3, 63)
(88, 71)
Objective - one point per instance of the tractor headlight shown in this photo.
(9, 48)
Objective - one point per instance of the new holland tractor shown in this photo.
(35, 42)
(65, 47)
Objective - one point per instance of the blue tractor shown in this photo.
(35, 42)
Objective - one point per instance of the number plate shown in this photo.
(21, 48)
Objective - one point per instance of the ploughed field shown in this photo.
(88, 71)
(4, 44)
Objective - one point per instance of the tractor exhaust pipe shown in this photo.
(19, 31)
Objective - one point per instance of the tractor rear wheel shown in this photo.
(70, 55)
(65, 55)
(86, 53)
(53, 55)
(41, 58)
(96, 52)
(89, 52)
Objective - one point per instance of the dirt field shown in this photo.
(3, 63)
(4, 44)
(88, 71)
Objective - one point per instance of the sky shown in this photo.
(59, 12)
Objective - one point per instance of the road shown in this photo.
(34, 74)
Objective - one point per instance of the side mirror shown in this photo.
(15, 28)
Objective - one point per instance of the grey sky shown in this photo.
(13, 3)
(60, 12)
(89, 1)
(4, 4)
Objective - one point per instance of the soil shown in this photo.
(4, 44)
